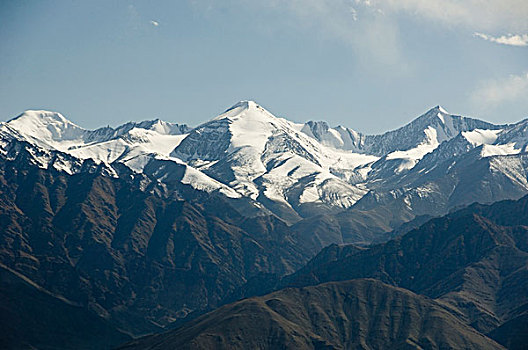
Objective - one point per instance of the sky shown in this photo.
(371, 65)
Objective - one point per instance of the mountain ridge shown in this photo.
(149, 224)
(356, 314)
(300, 171)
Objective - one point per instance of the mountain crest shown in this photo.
(440, 109)
(243, 104)
(432, 116)
(46, 128)
(248, 110)
(34, 115)
(296, 168)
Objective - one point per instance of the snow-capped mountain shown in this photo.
(268, 158)
(132, 144)
(52, 130)
(434, 163)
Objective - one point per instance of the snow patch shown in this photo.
(498, 150)
(479, 137)
(202, 182)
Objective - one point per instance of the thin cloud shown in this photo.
(372, 27)
(510, 39)
(492, 93)
(154, 23)
(497, 15)
(374, 36)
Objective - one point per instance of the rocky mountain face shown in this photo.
(32, 317)
(366, 185)
(456, 282)
(473, 261)
(358, 314)
(130, 251)
(139, 228)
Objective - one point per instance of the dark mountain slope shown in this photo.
(512, 334)
(376, 225)
(27, 311)
(358, 314)
(474, 261)
(130, 251)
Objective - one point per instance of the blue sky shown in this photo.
(369, 65)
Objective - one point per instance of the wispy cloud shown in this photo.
(478, 15)
(374, 37)
(154, 23)
(492, 93)
(510, 39)
(372, 27)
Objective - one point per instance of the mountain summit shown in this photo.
(49, 129)
(145, 225)
(298, 170)
(241, 108)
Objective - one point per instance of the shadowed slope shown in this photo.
(474, 261)
(31, 317)
(128, 251)
(357, 314)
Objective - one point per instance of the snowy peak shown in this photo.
(441, 109)
(261, 155)
(166, 128)
(242, 105)
(316, 129)
(450, 124)
(435, 110)
(437, 118)
(338, 138)
(40, 116)
(432, 128)
(52, 130)
(47, 129)
(248, 151)
(245, 110)
(46, 125)
(245, 124)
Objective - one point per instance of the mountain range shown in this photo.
(142, 228)
(295, 171)
(358, 314)
(456, 282)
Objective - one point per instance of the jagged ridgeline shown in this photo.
(363, 185)
(456, 282)
(141, 228)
